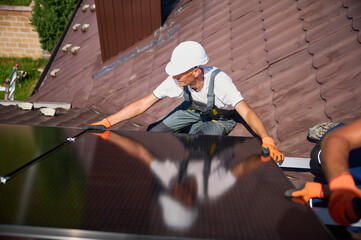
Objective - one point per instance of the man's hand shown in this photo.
(307, 191)
(101, 125)
(345, 202)
(267, 142)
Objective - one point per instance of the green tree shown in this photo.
(50, 18)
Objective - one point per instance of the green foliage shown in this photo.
(25, 86)
(15, 2)
(50, 18)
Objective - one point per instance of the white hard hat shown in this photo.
(185, 56)
(175, 214)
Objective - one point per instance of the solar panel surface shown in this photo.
(145, 185)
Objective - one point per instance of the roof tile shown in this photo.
(241, 8)
(323, 18)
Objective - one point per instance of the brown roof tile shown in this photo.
(323, 18)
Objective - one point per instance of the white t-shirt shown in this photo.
(226, 93)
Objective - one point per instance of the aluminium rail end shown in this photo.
(3, 180)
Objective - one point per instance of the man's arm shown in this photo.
(336, 146)
(344, 204)
(252, 119)
(129, 111)
(133, 109)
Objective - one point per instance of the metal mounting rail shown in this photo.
(6, 178)
(294, 162)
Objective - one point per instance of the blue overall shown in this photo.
(196, 117)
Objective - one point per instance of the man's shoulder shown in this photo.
(209, 69)
(168, 88)
(219, 77)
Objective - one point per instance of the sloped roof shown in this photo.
(297, 63)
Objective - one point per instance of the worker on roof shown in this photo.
(338, 154)
(211, 100)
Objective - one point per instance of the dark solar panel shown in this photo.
(140, 185)
(20, 144)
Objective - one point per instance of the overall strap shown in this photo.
(210, 95)
(186, 94)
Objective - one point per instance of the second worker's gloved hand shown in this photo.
(307, 191)
(344, 204)
(267, 142)
(101, 125)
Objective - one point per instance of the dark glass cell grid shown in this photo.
(152, 185)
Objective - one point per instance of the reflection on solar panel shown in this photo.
(141, 185)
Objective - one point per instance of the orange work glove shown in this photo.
(307, 191)
(265, 157)
(267, 142)
(101, 125)
(344, 204)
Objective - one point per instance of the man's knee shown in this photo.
(208, 128)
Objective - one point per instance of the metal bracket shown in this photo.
(293, 162)
(3, 180)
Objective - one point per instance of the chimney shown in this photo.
(121, 23)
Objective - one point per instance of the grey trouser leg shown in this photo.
(176, 120)
(213, 127)
(180, 117)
